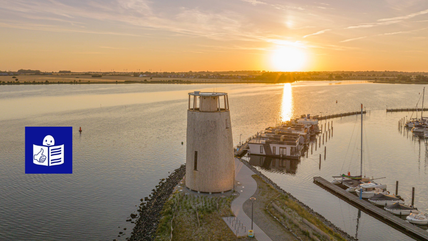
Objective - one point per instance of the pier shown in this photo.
(340, 115)
(389, 218)
(242, 150)
(405, 109)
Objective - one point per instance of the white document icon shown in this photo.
(48, 155)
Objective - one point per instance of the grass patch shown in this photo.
(292, 207)
(191, 217)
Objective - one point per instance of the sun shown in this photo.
(288, 58)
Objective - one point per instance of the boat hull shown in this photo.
(417, 219)
(366, 195)
(401, 212)
(385, 202)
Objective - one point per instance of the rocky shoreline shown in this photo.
(149, 211)
(310, 210)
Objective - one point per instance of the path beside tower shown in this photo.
(247, 188)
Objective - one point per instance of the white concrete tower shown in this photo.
(210, 165)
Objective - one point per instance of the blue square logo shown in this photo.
(49, 150)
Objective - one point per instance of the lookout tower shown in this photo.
(210, 165)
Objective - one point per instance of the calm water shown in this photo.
(132, 137)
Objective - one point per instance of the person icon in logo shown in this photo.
(48, 141)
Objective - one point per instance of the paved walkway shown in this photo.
(246, 188)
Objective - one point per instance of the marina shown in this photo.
(266, 142)
(390, 219)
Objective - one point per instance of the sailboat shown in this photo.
(382, 199)
(418, 125)
(386, 198)
(400, 209)
(360, 184)
(351, 182)
(419, 128)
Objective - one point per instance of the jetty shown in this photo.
(405, 109)
(379, 213)
(242, 150)
(340, 115)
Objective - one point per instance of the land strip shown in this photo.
(288, 203)
(191, 216)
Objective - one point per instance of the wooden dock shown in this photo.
(379, 213)
(242, 150)
(340, 115)
(405, 109)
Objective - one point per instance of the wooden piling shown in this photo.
(325, 152)
(396, 188)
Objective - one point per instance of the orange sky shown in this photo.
(132, 35)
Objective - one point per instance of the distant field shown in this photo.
(85, 79)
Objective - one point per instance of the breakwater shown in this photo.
(340, 115)
(310, 210)
(149, 211)
(405, 109)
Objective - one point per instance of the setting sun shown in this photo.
(288, 58)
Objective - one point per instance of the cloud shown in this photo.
(139, 13)
(54, 28)
(109, 47)
(370, 25)
(254, 2)
(412, 15)
(317, 33)
(362, 26)
(352, 39)
(276, 6)
(400, 32)
(388, 21)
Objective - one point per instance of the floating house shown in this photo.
(285, 147)
(284, 141)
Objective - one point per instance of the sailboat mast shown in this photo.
(422, 112)
(361, 168)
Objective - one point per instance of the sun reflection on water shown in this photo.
(287, 103)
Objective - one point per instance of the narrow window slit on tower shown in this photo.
(195, 165)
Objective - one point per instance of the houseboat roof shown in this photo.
(268, 141)
(208, 94)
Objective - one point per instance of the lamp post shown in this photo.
(240, 139)
(252, 208)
